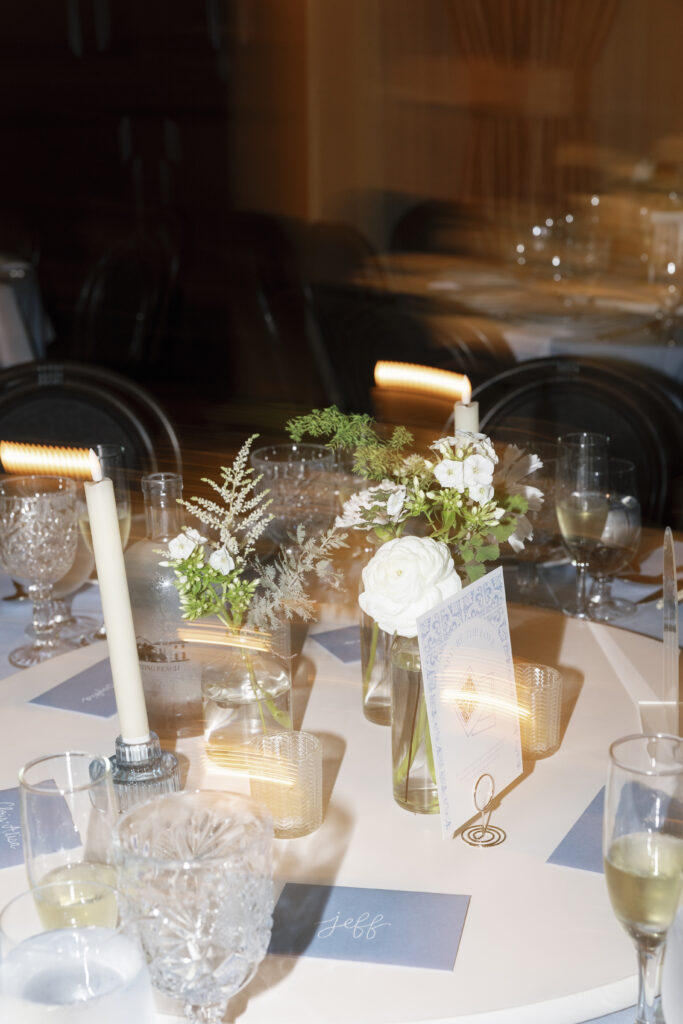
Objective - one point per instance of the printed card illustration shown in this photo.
(383, 926)
(11, 845)
(471, 697)
(90, 692)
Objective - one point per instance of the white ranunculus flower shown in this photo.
(181, 547)
(477, 469)
(450, 473)
(404, 579)
(222, 561)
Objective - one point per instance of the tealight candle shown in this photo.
(118, 617)
(467, 416)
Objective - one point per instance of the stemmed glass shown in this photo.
(196, 869)
(581, 504)
(643, 850)
(38, 539)
(619, 542)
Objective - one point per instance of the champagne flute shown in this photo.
(643, 850)
(68, 812)
(581, 504)
(619, 542)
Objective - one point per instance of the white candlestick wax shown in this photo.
(467, 416)
(118, 618)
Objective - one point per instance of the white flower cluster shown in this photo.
(186, 543)
(467, 464)
(375, 506)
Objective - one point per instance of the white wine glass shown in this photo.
(196, 869)
(581, 488)
(38, 540)
(619, 542)
(643, 850)
(68, 812)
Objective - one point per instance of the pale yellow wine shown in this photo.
(581, 518)
(643, 872)
(124, 527)
(75, 897)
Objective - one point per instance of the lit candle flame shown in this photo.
(423, 379)
(47, 460)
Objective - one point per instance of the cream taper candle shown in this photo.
(467, 416)
(118, 618)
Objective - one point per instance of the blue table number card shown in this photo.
(343, 643)
(91, 692)
(471, 697)
(380, 926)
(11, 845)
(582, 845)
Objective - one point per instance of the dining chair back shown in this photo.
(542, 399)
(123, 303)
(76, 404)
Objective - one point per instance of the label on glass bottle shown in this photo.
(166, 665)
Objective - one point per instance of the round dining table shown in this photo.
(540, 943)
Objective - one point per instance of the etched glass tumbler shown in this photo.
(38, 538)
(196, 871)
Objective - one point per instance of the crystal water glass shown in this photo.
(38, 539)
(299, 479)
(196, 871)
(643, 850)
(68, 969)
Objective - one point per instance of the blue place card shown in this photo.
(381, 926)
(582, 845)
(342, 643)
(91, 692)
(11, 845)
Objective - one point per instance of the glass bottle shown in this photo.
(171, 673)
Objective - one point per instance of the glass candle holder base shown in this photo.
(141, 771)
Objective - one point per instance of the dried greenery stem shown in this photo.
(226, 579)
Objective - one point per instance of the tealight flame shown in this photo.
(49, 460)
(423, 379)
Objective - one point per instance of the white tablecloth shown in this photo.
(540, 945)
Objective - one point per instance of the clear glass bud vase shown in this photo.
(246, 691)
(375, 647)
(413, 772)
